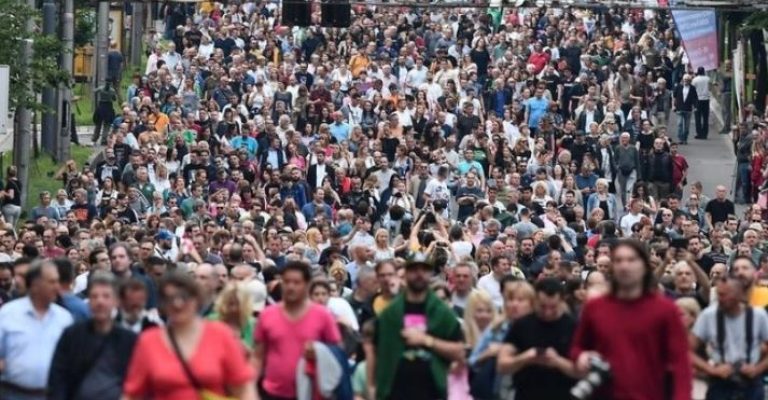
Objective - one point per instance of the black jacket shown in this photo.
(688, 103)
(312, 175)
(77, 352)
(581, 121)
(660, 167)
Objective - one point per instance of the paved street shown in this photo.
(712, 162)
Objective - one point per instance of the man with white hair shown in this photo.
(662, 103)
(689, 280)
(243, 273)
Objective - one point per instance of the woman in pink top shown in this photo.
(286, 331)
(215, 358)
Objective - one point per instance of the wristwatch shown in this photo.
(429, 342)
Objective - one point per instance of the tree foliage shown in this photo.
(44, 67)
(85, 26)
(756, 21)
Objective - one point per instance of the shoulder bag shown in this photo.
(204, 393)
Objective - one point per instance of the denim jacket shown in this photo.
(594, 202)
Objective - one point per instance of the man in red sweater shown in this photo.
(637, 331)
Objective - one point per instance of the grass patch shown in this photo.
(42, 170)
(84, 106)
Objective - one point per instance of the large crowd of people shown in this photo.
(433, 203)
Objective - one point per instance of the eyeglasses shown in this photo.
(179, 298)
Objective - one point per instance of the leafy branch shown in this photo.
(43, 70)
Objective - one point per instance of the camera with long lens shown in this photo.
(599, 373)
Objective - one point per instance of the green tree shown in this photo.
(85, 26)
(43, 69)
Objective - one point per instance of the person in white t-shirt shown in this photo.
(634, 216)
(500, 267)
(437, 189)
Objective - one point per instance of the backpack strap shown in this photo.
(748, 333)
(720, 319)
(749, 321)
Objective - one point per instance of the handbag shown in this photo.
(204, 393)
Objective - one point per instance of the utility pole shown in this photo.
(102, 43)
(22, 135)
(137, 33)
(66, 61)
(49, 115)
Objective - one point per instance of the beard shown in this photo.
(418, 286)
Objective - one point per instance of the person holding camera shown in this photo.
(634, 334)
(536, 347)
(736, 333)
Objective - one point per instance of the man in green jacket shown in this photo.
(417, 337)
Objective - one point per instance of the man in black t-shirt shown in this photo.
(696, 248)
(719, 208)
(536, 346)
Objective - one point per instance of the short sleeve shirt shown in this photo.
(735, 340)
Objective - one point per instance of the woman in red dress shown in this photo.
(213, 359)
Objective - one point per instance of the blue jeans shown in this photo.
(743, 183)
(724, 390)
(683, 123)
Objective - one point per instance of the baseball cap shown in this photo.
(164, 235)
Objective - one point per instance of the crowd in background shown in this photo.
(429, 204)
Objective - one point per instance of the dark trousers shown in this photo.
(73, 131)
(725, 390)
(662, 189)
(97, 132)
(743, 183)
(701, 116)
(683, 124)
(725, 102)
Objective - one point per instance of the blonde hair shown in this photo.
(542, 185)
(380, 231)
(690, 306)
(602, 181)
(237, 291)
(311, 232)
(476, 299)
(519, 289)
(512, 290)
